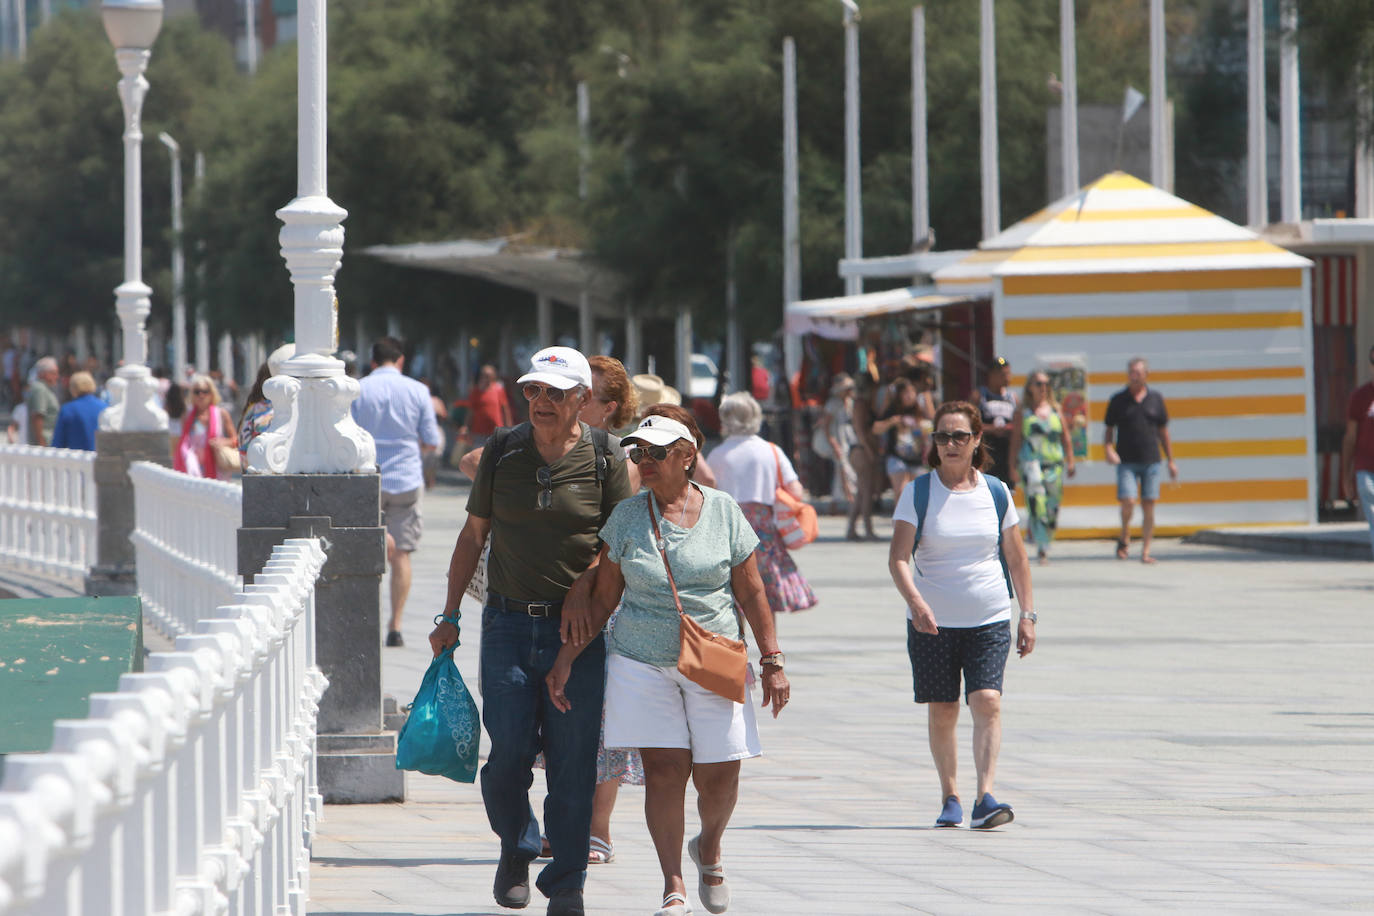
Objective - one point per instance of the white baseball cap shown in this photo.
(657, 430)
(560, 367)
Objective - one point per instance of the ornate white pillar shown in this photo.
(132, 26)
(312, 427)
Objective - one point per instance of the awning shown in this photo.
(838, 318)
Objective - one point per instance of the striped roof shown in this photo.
(1117, 224)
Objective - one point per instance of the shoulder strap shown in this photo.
(1001, 499)
(659, 543)
(920, 499)
(601, 443)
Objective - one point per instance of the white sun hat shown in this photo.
(560, 367)
(658, 430)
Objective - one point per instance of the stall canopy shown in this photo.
(838, 318)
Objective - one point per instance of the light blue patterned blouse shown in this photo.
(702, 557)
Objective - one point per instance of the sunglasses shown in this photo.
(637, 453)
(555, 395)
(962, 437)
(200, 390)
(1038, 383)
(544, 477)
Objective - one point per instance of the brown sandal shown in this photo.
(1121, 551)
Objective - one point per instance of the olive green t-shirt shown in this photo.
(537, 554)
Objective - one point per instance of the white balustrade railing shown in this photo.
(185, 544)
(48, 510)
(192, 789)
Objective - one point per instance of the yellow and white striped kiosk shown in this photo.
(1123, 269)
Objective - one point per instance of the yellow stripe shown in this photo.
(1218, 491)
(1226, 448)
(1119, 181)
(1249, 406)
(1152, 281)
(1161, 250)
(1072, 215)
(1164, 531)
(1201, 321)
(1208, 375)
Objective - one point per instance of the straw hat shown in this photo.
(653, 390)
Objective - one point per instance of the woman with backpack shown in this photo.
(961, 527)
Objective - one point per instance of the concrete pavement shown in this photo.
(1194, 736)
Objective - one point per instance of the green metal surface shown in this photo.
(55, 653)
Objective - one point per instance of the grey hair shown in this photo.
(740, 414)
(1137, 361)
(46, 364)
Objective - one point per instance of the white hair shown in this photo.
(740, 414)
(46, 364)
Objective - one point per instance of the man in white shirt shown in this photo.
(399, 414)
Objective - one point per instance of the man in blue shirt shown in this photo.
(399, 414)
(76, 421)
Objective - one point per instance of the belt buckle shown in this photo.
(546, 607)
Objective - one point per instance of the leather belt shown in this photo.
(530, 608)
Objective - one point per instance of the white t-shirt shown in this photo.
(957, 570)
(745, 468)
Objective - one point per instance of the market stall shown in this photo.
(1122, 269)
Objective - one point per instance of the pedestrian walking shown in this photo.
(1357, 450)
(835, 436)
(865, 457)
(751, 469)
(956, 553)
(1044, 455)
(694, 543)
(78, 418)
(543, 491)
(488, 408)
(900, 429)
(398, 413)
(42, 401)
(206, 431)
(256, 417)
(1137, 425)
(997, 408)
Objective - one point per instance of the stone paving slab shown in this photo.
(1195, 736)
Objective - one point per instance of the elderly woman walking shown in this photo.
(1042, 453)
(678, 540)
(956, 551)
(751, 469)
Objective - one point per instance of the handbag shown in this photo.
(477, 585)
(794, 519)
(710, 660)
(440, 736)
(226, 456)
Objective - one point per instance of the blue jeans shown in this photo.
(1147, 475)
(1364, 489)
(517, 652)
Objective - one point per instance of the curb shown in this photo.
(1333, 546)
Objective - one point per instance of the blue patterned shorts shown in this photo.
(978, 653)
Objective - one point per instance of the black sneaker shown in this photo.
(512, 885)
(394, 640)
(567, 902)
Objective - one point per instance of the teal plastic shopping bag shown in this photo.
(441, 734)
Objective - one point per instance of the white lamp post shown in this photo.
(312, 427)
(132, 26)
(853, 201)
(178, 266)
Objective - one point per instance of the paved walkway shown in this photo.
(1194, 736)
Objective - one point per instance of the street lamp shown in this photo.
(853, 203)
(133, 26)
(178, 265)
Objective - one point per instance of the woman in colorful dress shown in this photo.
(1043, 454)
(751, 469)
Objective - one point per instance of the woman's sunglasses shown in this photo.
(637, 453)
(555, 395)
(962, 437)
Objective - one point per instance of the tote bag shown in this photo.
(794, 519)
(440, 736)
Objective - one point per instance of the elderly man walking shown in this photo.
(543, 491)
(43, 402)
(1137, 416)
(399, 414)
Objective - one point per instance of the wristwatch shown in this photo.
(1031, 616)
(772, 659)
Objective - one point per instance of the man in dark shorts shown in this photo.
(543, 490)
(997, 402)
(1357, 450)
(1140, 422)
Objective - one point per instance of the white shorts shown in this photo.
(648, 706)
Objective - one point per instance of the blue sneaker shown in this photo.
(952, 815)
(989, 813)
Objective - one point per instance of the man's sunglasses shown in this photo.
(555, 395)
(637, 453)
(544, 477)
(962, 437)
